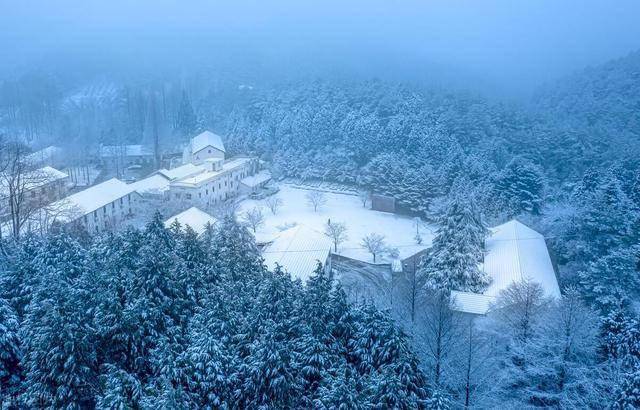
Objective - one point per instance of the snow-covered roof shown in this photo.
(258, 179)
(514, 252)
(206, 176)
(206, 139)
(44, 155)
(297, 250)
(193, 217)
(155, 184)
(97, 196)
(35, 179)
(182, 171)
(107, 151)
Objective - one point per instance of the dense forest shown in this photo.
(159, 317)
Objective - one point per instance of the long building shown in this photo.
(101, 207)
(37, 188)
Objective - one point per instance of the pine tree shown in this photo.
(10, 355)
(21, 276)
(59, 344)
(521, 185)
(452, 261)
(234, 253)
(186, 121)
(612, 279)
(157, 299)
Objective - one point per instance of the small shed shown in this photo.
(383, 203)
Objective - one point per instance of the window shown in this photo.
(199, 194)
(113, 205)
(104, 209)
(188, 196)
(121, 201)
(206, 192)
(209, 151)
(85, 218)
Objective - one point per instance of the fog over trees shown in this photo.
(465, 114)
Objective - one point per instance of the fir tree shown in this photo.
(612, 280)
(452, 261)
(10, 355)
(522, 186)
(186, 121)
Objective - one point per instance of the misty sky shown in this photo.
(514, 43)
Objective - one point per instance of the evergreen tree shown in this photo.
(59, 347)
(522, 186)
(158, 302)
(186, 122)
(452, 261)
(612, 279)
(10, 355)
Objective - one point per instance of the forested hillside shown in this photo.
(161, 319)
(602, 100)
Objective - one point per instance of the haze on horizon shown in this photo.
(507, 46)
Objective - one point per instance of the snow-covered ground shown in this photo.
(399, 231)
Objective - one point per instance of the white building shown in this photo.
(121, 156)
(253, 183)
(193, 217)
(51, 155)
(218, 181)
(204, 146)
(38, 187)
(514, 253)
(298, 250)
(100, 207)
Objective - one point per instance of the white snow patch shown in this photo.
(399, 231)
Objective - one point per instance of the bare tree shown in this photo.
(519, 308)
(364, 197)
(337, 231)
(19, 187)
(274, 203)
(439, 333)
(316, 199)
(375, 244)
(254, 218)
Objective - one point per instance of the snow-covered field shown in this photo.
(399, 231)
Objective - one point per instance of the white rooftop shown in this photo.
(257, 179)
(298, 250)
(514, 252)
(193, 217)
(206, 176)
(182, 171)
(43, 155)
(35, 179)
(97, 196)
(107, 151)
(155, 184)
(206, 139)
